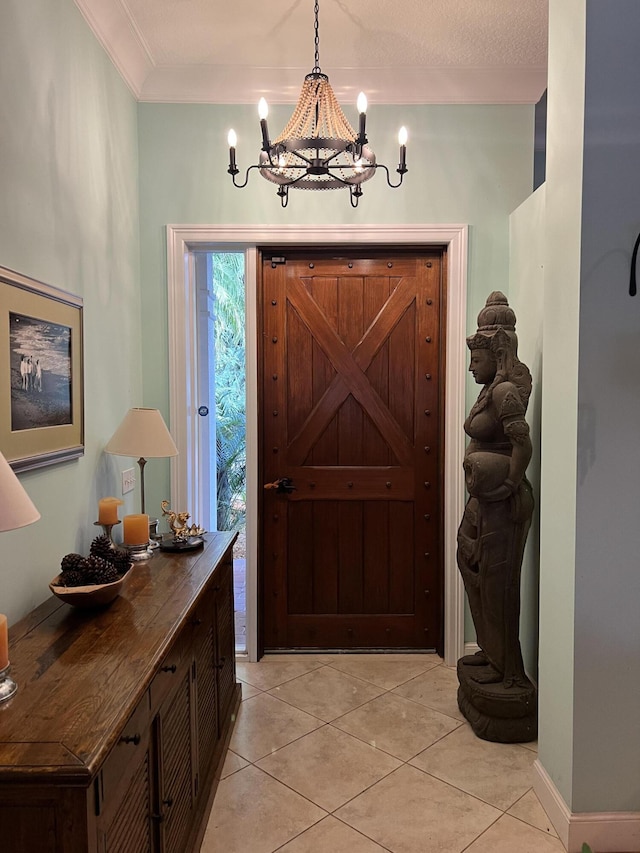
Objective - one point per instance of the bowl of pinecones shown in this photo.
(92, 581)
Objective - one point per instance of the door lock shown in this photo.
(282, 486)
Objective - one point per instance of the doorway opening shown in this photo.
(223, 353)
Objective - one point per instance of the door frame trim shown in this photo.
(182, 242)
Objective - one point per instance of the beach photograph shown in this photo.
(40, 366)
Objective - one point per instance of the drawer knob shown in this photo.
(221, 664)
(171, 668)
(134, 739)
(196, 621)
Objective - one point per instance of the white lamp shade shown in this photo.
(16, 508)
(142, 433)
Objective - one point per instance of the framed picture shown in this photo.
(41, 373)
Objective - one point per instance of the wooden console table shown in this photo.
(116, 736)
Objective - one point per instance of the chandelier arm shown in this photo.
(400, 172)
(246, 177)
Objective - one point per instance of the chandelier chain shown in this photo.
(316, 10)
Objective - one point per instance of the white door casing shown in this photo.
(182, 242)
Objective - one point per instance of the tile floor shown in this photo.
(365, 754)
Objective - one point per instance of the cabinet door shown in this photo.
(206, 694)
(127, 827)
(224, 642)
(123, 789)
(175, 771)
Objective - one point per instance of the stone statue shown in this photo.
(494, 694)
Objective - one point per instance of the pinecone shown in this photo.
(121, 562)
(96, 570)
(71, 577)
(102, 547)
(71, 561)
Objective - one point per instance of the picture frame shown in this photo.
(41, 373)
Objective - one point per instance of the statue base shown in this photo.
(495, 712)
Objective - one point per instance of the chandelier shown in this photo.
(318, 149)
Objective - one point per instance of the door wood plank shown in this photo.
(351, 374)
(350, 557)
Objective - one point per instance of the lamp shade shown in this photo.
(143, 433)
(16, 508)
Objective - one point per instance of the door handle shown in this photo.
(283, 486)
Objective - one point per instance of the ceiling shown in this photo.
(397, 51)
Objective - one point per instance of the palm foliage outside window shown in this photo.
(229, 296)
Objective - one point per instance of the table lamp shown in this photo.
(16, 510)
(142, 433)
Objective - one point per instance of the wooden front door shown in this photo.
(352, 358)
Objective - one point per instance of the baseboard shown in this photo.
(604, 832)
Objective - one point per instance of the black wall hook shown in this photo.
(632, 280)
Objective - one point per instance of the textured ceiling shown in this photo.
(407, 51)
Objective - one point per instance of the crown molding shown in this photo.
(122, 42)
(445, 85)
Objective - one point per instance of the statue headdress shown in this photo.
(497, 332)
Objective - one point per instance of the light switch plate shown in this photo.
(128, 480)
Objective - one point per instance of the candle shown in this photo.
(4, 642)
(263, 112)
(108, 510)
(232, 140)
(135, 529)
(402, 139)
(362, 110)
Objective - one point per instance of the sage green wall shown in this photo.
(526, 292)
(69, 217)
(467, 164)
(565, 120)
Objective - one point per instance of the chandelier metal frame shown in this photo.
(318, 149)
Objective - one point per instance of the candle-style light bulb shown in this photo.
(402, 139)
(362, 110)
(263, 112)
(232, 140)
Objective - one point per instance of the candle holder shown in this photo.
(154, 536)
(8, 687)
(138, 552)
(107, 530)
